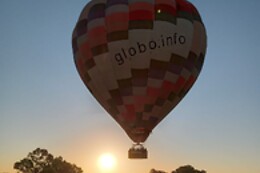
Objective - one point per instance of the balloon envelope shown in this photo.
(139, 58)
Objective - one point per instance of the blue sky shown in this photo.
(43, 102)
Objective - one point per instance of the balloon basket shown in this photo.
(137, 151)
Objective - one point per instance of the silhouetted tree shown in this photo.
(156, 171)
(187, 169)
(40, 161)
(182, 169)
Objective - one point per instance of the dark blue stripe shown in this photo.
(116, 2)
(97, 11)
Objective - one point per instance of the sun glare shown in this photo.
(107, 162)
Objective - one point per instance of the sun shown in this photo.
(107, 162)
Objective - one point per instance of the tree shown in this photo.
(41, 161)
(182, 169)
(156, 171)
(187, 169)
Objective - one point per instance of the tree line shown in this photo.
(41, 161)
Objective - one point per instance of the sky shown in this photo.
(44, 103)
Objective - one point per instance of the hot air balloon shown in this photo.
(139, 58)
